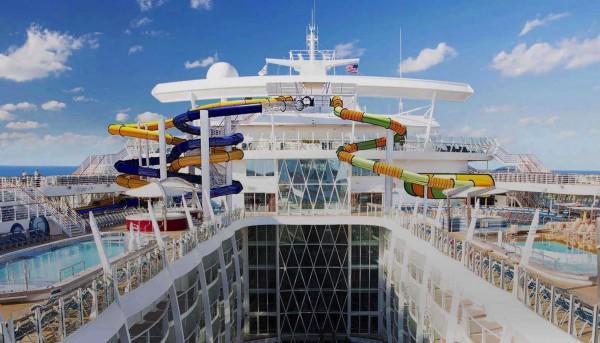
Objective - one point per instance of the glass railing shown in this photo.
(559, 306)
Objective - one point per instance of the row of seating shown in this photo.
(18, 239)
(114, 218)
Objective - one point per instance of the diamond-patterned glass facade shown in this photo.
(319, 185)
(314, 287)
(313, 280)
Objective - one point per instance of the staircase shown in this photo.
(100, 164)
(67, 218)
(523, 162)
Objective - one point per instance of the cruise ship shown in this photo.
(275, 208)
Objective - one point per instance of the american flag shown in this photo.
(352, 68)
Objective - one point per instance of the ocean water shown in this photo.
(43, 170)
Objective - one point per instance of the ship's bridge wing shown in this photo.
(260, 86)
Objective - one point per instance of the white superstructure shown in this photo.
(311, 250)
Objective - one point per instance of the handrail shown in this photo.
(134, 270)
(548, 178)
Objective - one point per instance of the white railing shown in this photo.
(56, 180)
(131, 272)
(548, 178)
(98, 164)
(70, 222)
(438, 144)
(523, 162)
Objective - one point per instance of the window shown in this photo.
(259, 202)
(366, 202)
(260, 167)
(313, 185)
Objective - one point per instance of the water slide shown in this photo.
(414, 183)
(133, 171)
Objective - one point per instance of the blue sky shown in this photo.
(68, 68)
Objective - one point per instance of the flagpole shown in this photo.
(400, 103)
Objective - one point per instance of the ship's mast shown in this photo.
(312, 40)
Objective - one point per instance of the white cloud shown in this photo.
(135, 48)
(75, 90)
(346, 50)
(543, 57)
(567, 134)
(21, 106)
(83, 98)
(498, 108)
(201, 63)
(68, 148)
(5, 115)
(537, 121)
(594, 131)
(201, 4)
(44, 52)
(427, 58)
(122, 116)
(146, 5)
(147, 116)
(143, 21)
(537, 22)
(24, 125)
(53, 105)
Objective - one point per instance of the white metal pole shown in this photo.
(430, 120)
(162, 149)
(389, 181)
(205, 158)
(147, 149)
(229, 165)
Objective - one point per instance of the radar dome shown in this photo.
(221, 70)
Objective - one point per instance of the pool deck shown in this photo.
(17, 310)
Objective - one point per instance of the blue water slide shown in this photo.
(182, 121)
(192, 144)
(132, 167)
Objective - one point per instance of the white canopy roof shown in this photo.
(158, 189)
(258, 86)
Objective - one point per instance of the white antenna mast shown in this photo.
(311, 39)
(400, 103)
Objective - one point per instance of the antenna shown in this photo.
(400, 65)
(400, 103)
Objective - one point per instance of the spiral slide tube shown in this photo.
(132, 170)
(414, 183)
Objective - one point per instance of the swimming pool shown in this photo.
(554, 247)
(45, 266)
(562, 258)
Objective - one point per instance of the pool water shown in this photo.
(554, 247)
(48, 266)
(562, 258)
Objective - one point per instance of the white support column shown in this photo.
(528, 248)
(229, 165)
(422, 305)
(389, 181)
(238, 290)
(225, 290)
(205, 157)
(124, 329)
(390, 260)
(162, 149)
(175, 311)
(453, 319)
(205, 303)
(430, 120)
(191, 169)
